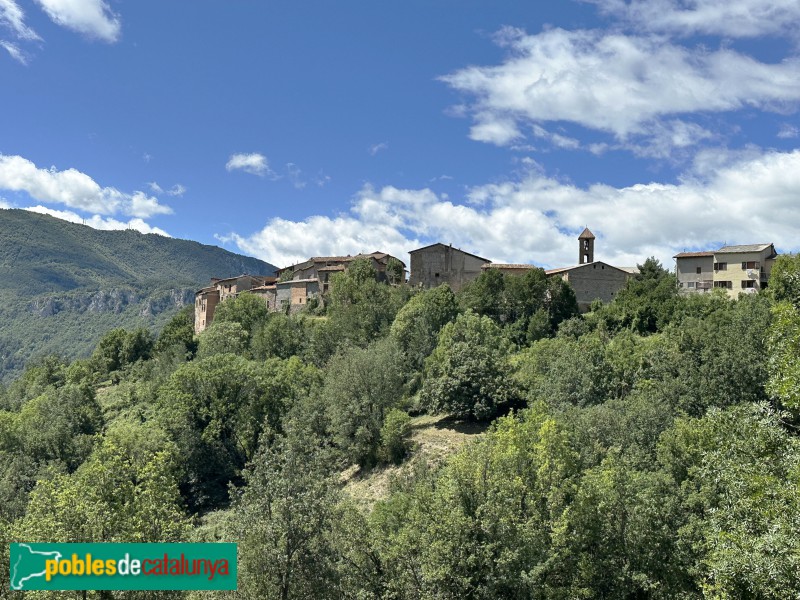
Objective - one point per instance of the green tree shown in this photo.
(647, 302)
(469, 374)
(178, 332)
(126, 491)
(395, 437)
(784, 279)
(281, 336)
(248, 310)
(120, 348)
(784, 355)
(417, 325)
(215, 410)
(225, 337)
(280, 520)
(395, 272)
(361, 385)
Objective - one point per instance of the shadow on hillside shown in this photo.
(461, 426)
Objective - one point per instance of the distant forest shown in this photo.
(65, 285)
(647, 449)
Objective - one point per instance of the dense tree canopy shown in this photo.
(646, 449)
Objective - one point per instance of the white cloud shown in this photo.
(98, 222)
(176, 190)
(322, 180)
(15, 52)
(375, 148)
(254, 163)
(736, 18)
(631, 87)
(92, 18)
(74, 189)
(537, 219)
(788, 131)
(12, 17)
(295, 176)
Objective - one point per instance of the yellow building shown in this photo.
(735, 269)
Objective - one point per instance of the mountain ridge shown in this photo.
(66, 284)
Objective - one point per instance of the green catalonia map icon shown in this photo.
(28, 564)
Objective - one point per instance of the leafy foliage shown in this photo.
(468, 374)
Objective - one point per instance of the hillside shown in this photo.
(64, 284)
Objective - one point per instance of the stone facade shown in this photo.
(206, 300)
(593, 281)
(436, 264)
(509, 269)
(735, 269)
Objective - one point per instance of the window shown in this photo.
(699, 270)
(435, 274)
(690, 284)
(723, 284)
(748, 284)
(720, 266)
(749, 265)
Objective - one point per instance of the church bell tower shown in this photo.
(586, 247)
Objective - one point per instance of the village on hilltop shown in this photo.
(736, 269)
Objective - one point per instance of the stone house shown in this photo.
(590, 279)
(436, 264)
(322, 268)
(735, 269)
(508, 269)
(593, 281)
(207, 299)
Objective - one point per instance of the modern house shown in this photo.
(735, 269)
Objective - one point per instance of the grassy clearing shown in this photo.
(434, 438)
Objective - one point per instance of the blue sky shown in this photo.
(285, 130)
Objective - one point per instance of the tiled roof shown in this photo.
(597, 262)
(315, 280)
(507, 266)
(743, 248)
(586, 234)
(445, 246)
(692, 254)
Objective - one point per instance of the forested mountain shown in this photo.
(64, 285)
(647, 449)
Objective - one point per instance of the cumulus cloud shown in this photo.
(92, 18)
(735, 18)
(536, 219)
(254, 163)
(74, 189)
(634, 88)
(98, 222)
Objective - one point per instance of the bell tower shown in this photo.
(586, 247)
